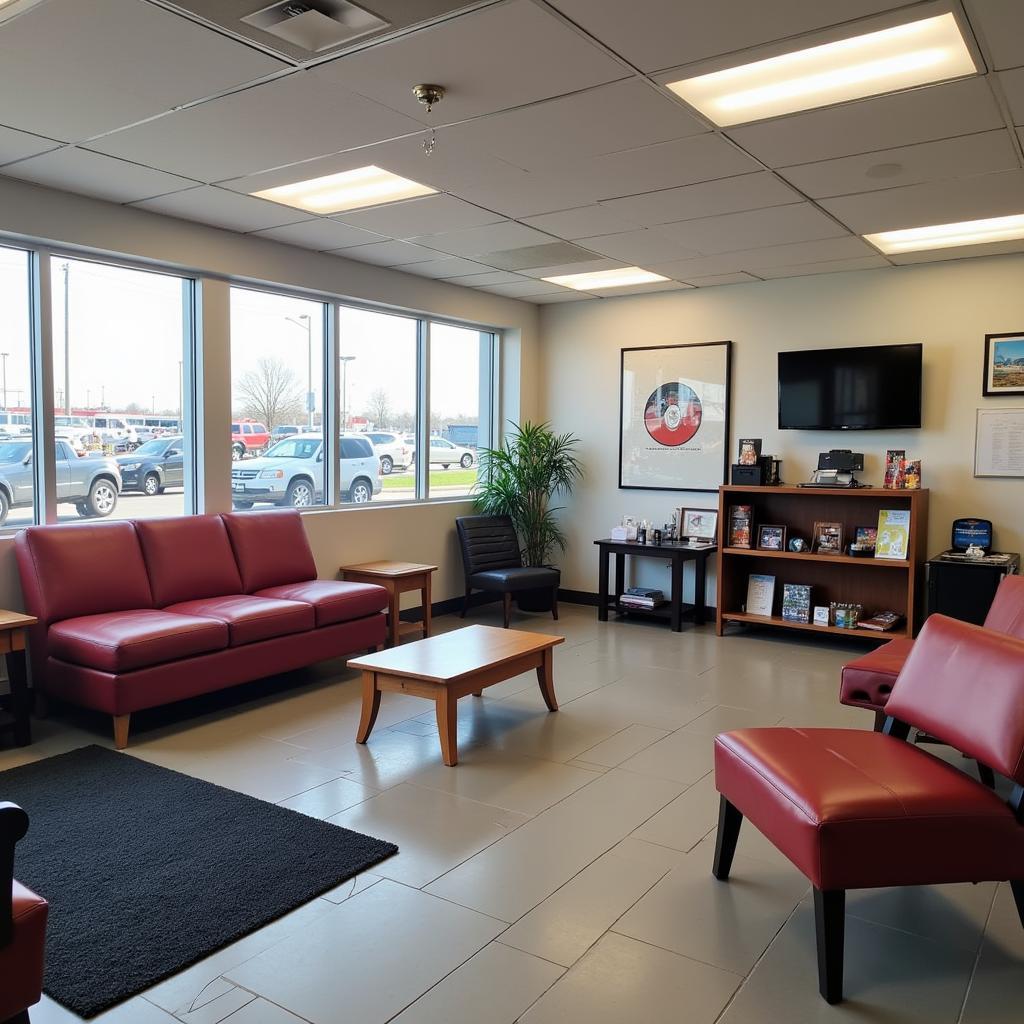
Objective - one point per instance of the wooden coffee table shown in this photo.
(447, 667)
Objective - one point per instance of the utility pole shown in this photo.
(67, 345)
(3, 356)
(303, 320)
(345, 360)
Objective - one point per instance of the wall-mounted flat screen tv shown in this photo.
(876, 387)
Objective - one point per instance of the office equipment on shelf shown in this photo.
(836, 468)
(963, 587)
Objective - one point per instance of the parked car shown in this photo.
(90, 483)
(248, 437)
(391, 449)
(445, 454)
(153, 466)
(292, 473)
(285, 430)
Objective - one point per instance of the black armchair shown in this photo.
(492, 562)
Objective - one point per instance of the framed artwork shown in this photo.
(828, 539)
(771, 538)
(750, 451)
(701, 523)
(1004, 364)
(999, 442)
(674, 417)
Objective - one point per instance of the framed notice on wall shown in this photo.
(999, 443)
(674, 417)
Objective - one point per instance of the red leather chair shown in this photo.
(22, 927)
(855, 809)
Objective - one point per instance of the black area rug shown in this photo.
(148, 870)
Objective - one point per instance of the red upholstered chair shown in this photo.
(855, 809)
(22, 927)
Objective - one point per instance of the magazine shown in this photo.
(893, 539)
(882, 622)
(796, 602)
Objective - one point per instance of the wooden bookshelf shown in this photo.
(876, 583)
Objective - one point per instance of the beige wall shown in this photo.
(948, 306)
(422, 533)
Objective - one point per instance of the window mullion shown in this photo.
(423, 410)
(332, 409)
(44, 465)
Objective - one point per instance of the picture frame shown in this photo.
(827, 538)
(999, 442)
(674, 403)
(749, 451)
(1003, 373)
(740, 526)
(771, 538)
(701, 523)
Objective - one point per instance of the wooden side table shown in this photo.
(396, 578)
(12, 644)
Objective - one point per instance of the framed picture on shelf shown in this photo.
(1004, 364)
(771, 538)
(796, 602)
(674, 417)
(701, 523)
(760, 594)
(740, 526)
(827, 539)
(750, 451)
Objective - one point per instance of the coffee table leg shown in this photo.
(371, 705)
(447, 729)
(546, 678)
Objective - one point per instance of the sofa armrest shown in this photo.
(13, 826)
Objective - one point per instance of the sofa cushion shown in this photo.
(81, 569)
(1007, 612)
(250, 618)
(333, 600)
(188, 557)
(122, 641)
(21, 960)
(270, 548)
(867, 681)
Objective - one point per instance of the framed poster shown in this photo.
(999, 443)
(1004, 364)
(674, 417)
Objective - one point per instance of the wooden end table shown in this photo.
(447, 667)
(12, 644)
(397, 578)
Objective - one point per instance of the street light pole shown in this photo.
(345, 360)
(308, 324)
(67, 344)
(3, 356)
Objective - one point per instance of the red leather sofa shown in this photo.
(22, 927)
(141, 613)
(868, 680)
(854, 809)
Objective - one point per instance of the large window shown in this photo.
(120, 351)
(16, 470)
(277, 400)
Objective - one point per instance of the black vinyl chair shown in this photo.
(492, 562)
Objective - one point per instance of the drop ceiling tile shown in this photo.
(901, 119)
(523, 288)
(935, 202)
(623, 115)
(321, 234)
(960, 252)
(827, 267)
(1002, 27)
(484, 280)
(583, 222)
(430, 215)
(90, 174)
(465, 55)
(908, 165)
(701, 266)
(575, 268)
(752, 260)
(751, 229)
(566, 295)
(727, 195)
(642, 289)
(522, 194)
(714, 280)
(1013, 85)
(15, 145)
(389, 254)
(639, 247)
(71, 70)
(489, 238)
(453, 268)
(285, 121)
(209, 205)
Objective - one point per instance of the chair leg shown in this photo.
(987, 776)
(1017, 888)
(465, 602)
(121, 724)
(729, 821)
(508, 610)
(830, 927)
(19, 1018)
(554, 603)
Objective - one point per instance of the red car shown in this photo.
(248, 438)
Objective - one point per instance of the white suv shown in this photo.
(392, 449)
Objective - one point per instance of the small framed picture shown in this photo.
(821, 615)
(771, 538)
(701, 523)
(828, 539)
(866, 536)
(750, 451)
(740, 526)
(1004, 364)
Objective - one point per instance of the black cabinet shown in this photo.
(965, 589)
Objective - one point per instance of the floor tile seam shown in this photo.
(369, 796)
(661, 778)
(675, 952)
(195, 1004)
(914, 935)
(472, 800)
(455, 903)
(256, 995)
(977, 956)
(508, 945)
(632, 725)
(665, 846)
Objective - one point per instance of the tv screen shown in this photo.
(871, 388)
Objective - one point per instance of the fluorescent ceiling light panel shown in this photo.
(349, 190)
(917, 53)
(948, 236)
(601, 279)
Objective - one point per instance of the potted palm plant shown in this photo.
(520, 479)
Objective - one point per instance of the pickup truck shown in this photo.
(91, 484)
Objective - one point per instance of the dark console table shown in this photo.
(12, 643)
(677, 554)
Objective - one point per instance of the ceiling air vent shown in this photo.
(554, 254)
(316, 25)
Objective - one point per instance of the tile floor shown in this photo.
(561, 873)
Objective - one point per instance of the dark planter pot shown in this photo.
(538, 600)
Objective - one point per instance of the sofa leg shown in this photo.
(1017, 888)
(830, 928)
(508, 610)
(121, 724)
(19, 1018)
(987, 776)
(465, 603)
(729, 821)
(554, 603)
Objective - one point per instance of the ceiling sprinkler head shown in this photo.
(294, 10)
(428, 95)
